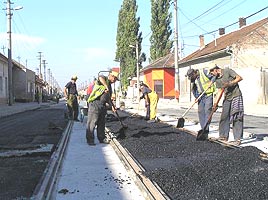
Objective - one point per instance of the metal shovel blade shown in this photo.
(180, 123)
(121, 134)
(202, 135)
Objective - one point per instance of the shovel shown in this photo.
(121, 131)
(181, 120)
(203, 131)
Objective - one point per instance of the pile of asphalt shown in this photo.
(188, 169)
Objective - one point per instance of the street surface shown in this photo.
(27, 141)
(41, 130)
(252, 124)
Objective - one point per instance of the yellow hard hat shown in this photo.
(74, 77)
(115, 74)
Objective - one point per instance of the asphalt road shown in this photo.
(188, 169)
(39, 129)
(252, 124)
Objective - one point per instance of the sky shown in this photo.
(79, 37)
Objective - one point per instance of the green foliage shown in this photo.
(161, 31)
(128, 34)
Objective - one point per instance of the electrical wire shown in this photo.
(207, 11)
(210, 32)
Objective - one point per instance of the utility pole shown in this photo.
(10, 65)
(40, 63)
(49, 81)
(44, 66)
(138, 71)
(177, 74)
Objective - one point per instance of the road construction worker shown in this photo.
(151, 100)
(202, 81)
(98, 103)
(232, 107)
(70, 93)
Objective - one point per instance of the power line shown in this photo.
(191, 21)
(225, 12)
(208, 33)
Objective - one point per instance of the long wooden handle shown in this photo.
(117, 115)
(196, 100)
(214, 108)
(218, 100)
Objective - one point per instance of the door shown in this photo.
(158, 87)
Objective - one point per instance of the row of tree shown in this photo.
(128, 33)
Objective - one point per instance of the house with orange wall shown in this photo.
(159, 76)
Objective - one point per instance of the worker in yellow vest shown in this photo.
(201, 80)
(98, 103)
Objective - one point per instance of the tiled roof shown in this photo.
(163, 62)
(225, 40)
(221, 43)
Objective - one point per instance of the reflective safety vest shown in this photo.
(97, 91)
(203, 84)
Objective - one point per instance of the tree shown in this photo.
(127, 34)
(161, 31)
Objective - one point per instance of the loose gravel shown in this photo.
(188, 169)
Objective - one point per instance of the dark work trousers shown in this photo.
(96, 117)
(204, 110)
(224, 126)
(72, 105)
(147, 117)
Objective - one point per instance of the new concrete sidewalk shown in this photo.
(93, 172)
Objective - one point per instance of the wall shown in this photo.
(4, 82)
(19, 84)
(169, 83)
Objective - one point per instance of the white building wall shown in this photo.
(3, 82)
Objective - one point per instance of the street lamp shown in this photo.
(138, 69)
(10, 65)
(120, 85)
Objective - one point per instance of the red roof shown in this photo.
(225, 40)
(163, 62)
